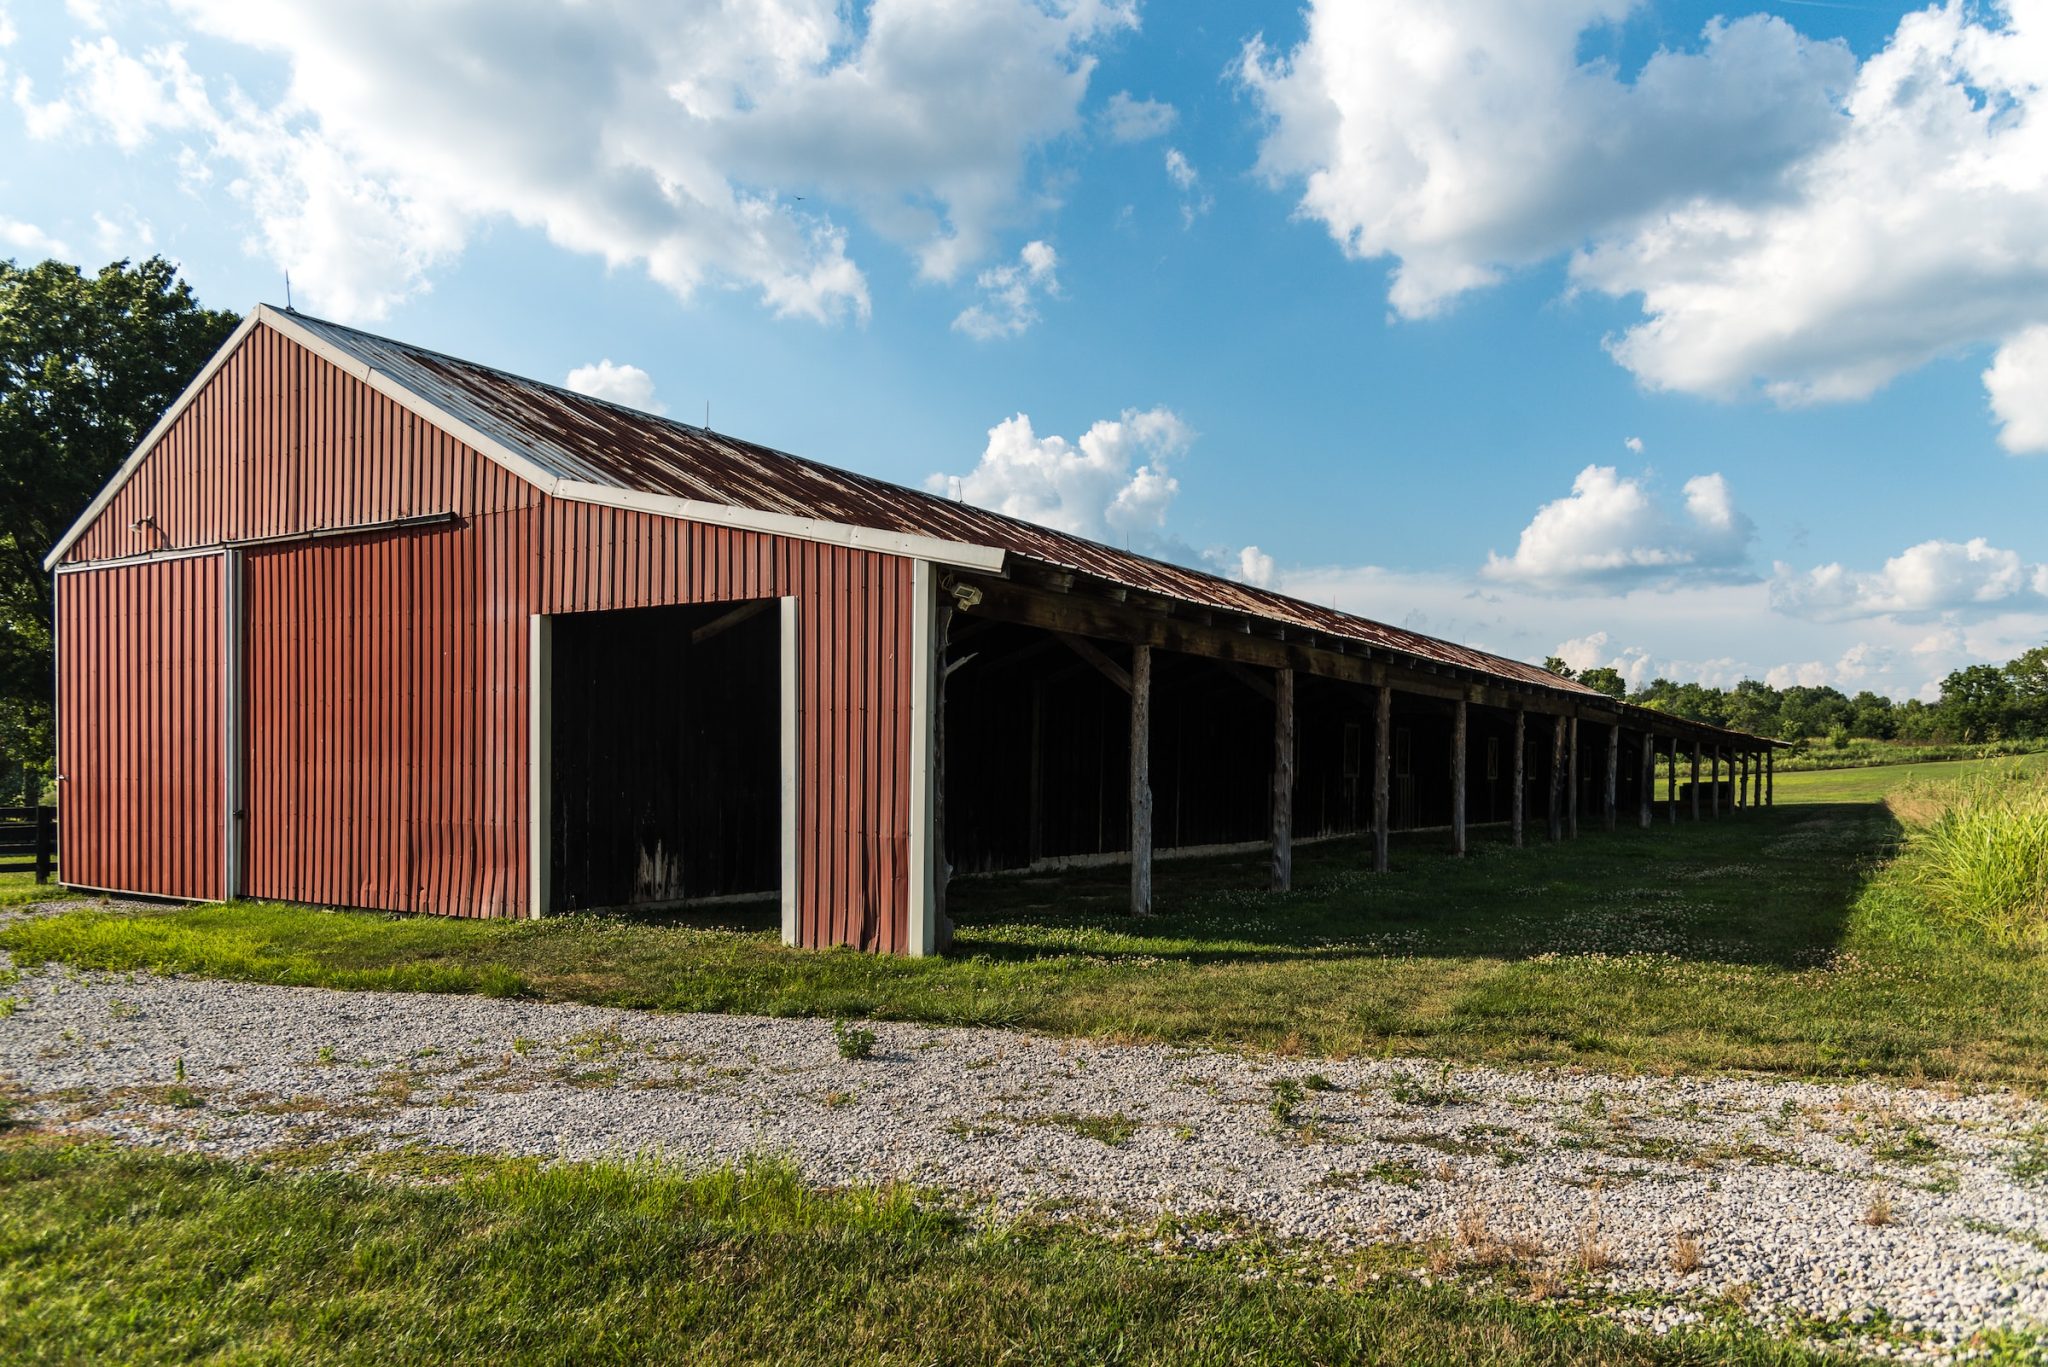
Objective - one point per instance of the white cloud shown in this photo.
(1194, 201)
(87, 12)
(616, 383)
(29, 241)
(1610, 532)
(1811, 674)
(1114, 484)
(1464, 141)
(125, 233)
(1253, 567)
(2018, 385)
(675, 139)
(1010, 294)
(8, 32)
(1133, 120)
(1930, 578)
(1634, 445)
(1584, 652)
(1791, 221)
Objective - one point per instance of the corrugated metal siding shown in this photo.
(281, 442)
(139, 727)
(854, 694)
(386, 719)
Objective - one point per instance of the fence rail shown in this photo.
(28, 841)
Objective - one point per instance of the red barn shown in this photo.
(363, 625)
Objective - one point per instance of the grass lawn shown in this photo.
(114, 1255)
(1872, 784)
(1771, 941)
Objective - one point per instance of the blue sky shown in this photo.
(1704, 342)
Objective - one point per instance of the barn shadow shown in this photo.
(1766, 887)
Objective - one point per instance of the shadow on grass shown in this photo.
(1766, 887)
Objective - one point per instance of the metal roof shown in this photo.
(575, 437)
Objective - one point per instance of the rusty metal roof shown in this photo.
(576, 437)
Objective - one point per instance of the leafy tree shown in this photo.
(1605, 680)
(1556, 665)
(87, 364)
(1976, 703)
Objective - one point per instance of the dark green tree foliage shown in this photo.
(87, 365)
(1605, 680)
(1980, 703)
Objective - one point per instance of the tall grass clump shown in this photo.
(1978, 852)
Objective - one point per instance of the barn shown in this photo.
(363, 625)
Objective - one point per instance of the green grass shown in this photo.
(1977, 851)
(20, 889)
(114, 1255)
(1874, 784)
(1777, 940)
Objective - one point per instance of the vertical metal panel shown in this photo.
(139, 732)
(281, 441)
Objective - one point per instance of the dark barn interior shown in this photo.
(1038, 747)
(666, 779)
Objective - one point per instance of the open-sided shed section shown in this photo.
(363, 625)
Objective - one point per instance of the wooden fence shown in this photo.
(28, 841)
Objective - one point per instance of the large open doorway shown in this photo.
(664, 772)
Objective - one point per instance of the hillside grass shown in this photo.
(1778, 940)
(114, 1255)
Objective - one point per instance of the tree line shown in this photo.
(1978, 703)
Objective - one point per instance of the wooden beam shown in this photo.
(1695, 780)
(1571, 803)
(1283, 780)
(1613, 776)
(1458, 767)
(725, 622)
(1521, 778)
(1141, 780)
(1554, 809)
(1088, 651)
(1383, 736)
(1714, 783)
(1649, 784)
(1251, 680)
(1671, 787)
(1770, 778)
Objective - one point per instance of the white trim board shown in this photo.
(791, 663)
(923, 931)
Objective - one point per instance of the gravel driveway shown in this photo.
(1926, 1211)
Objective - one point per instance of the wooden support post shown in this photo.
(1714, 783)
(1383, 738)
(1283, 779)
(1671, 786)
(1649, 784)
(1141, 780)
(1770, 778)
(1458, 766)
(1521, 776)
(1607, 810)
(1571, 802)
(1742, 793)
(1555, 807)
(1695, 780)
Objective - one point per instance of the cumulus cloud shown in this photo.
(695, 142)
(1114, 484)
(1010, 294)
(1790, 220)
(1126, 119)
(1247, 565)
(2018, 385)
(124, 233)
(27, 240)
(1610, 532)
(616, 383)
(1465, 141)
(1931, 578)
